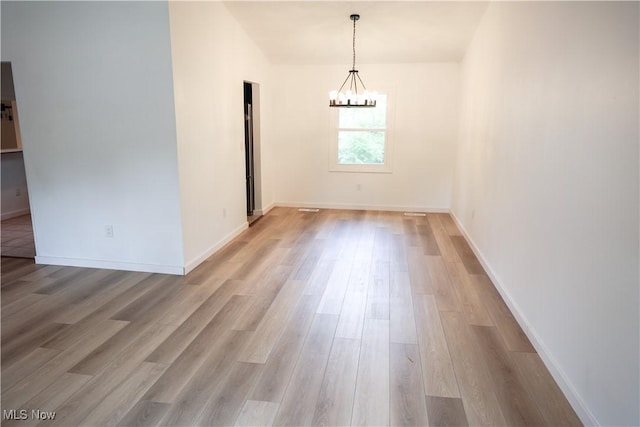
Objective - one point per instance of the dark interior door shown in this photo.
(248, 147)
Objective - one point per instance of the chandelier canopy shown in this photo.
(353, 92)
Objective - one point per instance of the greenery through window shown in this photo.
(362, 134)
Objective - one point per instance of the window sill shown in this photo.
(357, 168)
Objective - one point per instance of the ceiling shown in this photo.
(320, 32)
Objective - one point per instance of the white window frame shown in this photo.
(386, 166)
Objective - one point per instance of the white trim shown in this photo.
(191, 265)
(13, 214)
(265, 210)
(362, 207)
(148, 268)
(111, 265)
(577, 403)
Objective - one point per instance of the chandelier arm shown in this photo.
(361, 82)
(343, 83)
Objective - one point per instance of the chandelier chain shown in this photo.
(354, 45)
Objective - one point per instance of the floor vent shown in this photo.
(308, 210)
(414, 214)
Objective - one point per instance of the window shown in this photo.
(360, 140)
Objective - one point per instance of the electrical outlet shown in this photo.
(18, 192)
(358, 187)
(108, 231)
(224, 212)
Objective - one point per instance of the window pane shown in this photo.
(369, 118)
(361, 147)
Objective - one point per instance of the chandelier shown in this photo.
(355, 93)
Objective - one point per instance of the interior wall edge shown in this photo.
(577, 402)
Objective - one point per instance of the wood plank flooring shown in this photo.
(16, 239)
(329, 318)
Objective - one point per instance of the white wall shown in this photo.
(212, 56)
(93, 82)
(423, 137)
(547, 187)
(13, 181)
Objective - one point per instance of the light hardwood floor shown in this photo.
(329, 318)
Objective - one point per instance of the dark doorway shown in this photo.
(248, 148)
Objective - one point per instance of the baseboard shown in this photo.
(13, 214)
(111, 265)
(191, 265)
(576, 402)
(265, 210)
(147, 268)
(362, 207)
